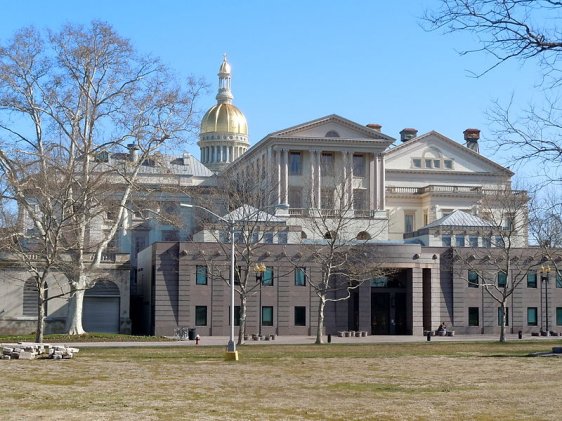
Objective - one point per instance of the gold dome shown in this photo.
(224, 118)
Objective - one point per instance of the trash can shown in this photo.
(192, 333)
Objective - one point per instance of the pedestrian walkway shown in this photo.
(309, 340)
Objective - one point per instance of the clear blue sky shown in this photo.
(294, 61)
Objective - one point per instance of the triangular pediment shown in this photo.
(332, 126)
(435, 152)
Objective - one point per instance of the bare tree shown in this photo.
(501, 265)
(524, 30)
(70, 103)
(338, 227)
(248, 202)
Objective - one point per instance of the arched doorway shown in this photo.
(101, 308)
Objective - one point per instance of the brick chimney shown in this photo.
(407, 134)
(375, 126)
(471, 137)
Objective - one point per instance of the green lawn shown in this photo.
(454, 380)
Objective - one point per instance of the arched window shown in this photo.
(363, 235)
(332, 133)
(30, 298)
(303, 235)
(330, 235)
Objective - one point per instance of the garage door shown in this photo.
(101, 308)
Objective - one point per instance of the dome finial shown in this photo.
(224, 96)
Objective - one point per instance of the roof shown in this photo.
(459, 218)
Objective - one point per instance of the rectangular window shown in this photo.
(416, 163)
(531, 279)
(459, 240)
(473, 241)
(506, 316)
(282, 237)
(558, 316)
(428, 163)
(327, 163)
(486, 242)
(267, 277)
(327, 198)
(295, 197)
(295, 163)
(358, 165)
(268, 238)
(359, 199)
(473, 316)
(531, 316)
(300, 276)
(408, 222)
(201, 275)
(446, 240)
(473, 279)
(502, 279)
(436, 163)
(498, 242)
(200, 315)
(448, 164)
(267, 316)
(300, 316)
(558, 281)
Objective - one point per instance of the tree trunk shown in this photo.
(502, 324)
(74, 317)
(40, 328)
(320, 327)
(243, 311)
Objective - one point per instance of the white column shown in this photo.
(382, 187)
(373, 203)
(278, 168)
(312, 178)
(285, 176)
(318, 179)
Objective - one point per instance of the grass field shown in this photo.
(485, 381)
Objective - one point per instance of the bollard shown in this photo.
(520, 334)
(428, 336)
(329, 338)
(197, 339)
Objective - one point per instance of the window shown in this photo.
(170, 235)
(499, 242)
(300, 316)
(502, 279)
(428, 163)
(510, 222)
(506, 316)
(295, 197)
(448, 164)
(359, 199)
(201, 275)
(558, 316)
(531, 316)
(30, 299)
(237, 273)
(282, 238)
(327, 198)
(473, 279)
(267, 316)
(200, 315)
(300, 276)
(473, 316)
(327, 163)
(236, 316)
(295, 163)
(436, 163)
(358, 165)
(473, 241)
(268, 238)
(558, 281)
(416, 163)
(459, 240)
(409, 222)
(486, 242)
(532, 280)
(267, 277)
(425, 217)
(446, 240)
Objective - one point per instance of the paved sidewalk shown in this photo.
(303, 340)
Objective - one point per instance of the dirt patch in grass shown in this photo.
(379, 381)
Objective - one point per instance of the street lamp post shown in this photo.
(545, 272)
(231, 352)
(259, 268)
